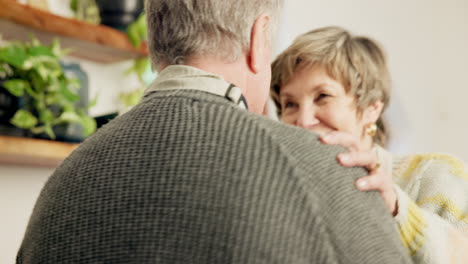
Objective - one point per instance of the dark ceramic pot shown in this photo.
(119, 13)
(9, 104)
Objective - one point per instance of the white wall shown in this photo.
(427, 43)
(19, 188)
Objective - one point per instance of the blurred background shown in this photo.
(427, 46)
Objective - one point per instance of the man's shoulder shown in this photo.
(214, 111)
(194, 117)
(302, 149)
(287, 137)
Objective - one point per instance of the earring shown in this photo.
(371, 129)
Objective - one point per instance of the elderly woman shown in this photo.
(337, 85)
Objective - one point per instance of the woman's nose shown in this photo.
(307, 118)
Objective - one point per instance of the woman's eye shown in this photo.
(289, 105)
(322, 96)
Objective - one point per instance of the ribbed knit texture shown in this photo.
(188, 177)
(433, 207)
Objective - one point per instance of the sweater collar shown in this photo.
(182, 77)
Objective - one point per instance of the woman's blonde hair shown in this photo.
(357, 62)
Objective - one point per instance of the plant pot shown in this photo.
(119, 13)
(9, 104)
(104, 119)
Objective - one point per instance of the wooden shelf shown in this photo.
(33, 152)
(92, 42)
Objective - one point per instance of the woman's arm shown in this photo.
(430, 208)
(433, 208)
(428, 237)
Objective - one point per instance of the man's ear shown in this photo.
(373, 112)
(258, 43)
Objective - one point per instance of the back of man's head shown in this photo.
(180, 29)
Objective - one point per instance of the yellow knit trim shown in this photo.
(411, 231)
(398, 171)
(413, 165)
(448, 205)
(457, 167)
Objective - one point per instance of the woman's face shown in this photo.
(314, 101)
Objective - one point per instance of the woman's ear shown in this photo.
(373, 112)
(259, 42)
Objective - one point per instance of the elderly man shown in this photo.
(194, 175)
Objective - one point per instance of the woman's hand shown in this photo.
(357, 156)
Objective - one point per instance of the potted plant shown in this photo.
(85, 10)
(137, 35)
(119, 13)
(44, 97)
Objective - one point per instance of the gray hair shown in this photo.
(180, 29)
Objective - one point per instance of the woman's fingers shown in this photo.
(390, 199)
(374, 181)
(340, 138)
(377, 181)
(366, 159)
(356, 156)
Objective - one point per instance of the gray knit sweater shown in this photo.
(189, 177)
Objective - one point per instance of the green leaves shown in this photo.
(86, 11)
(5, 71)
(15, 55)
(16, 87)
(33, 71)
(70, 117)
(137, 34)
(57, 49)
(136, 31)
(139, 67)
(131, 98)
(74, 5)
(93, 103)
(46, 116)
(24, 119)
(88, 123)
(68, 95)
(39, 50)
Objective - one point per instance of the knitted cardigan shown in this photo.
(189, 177)
(432, 191)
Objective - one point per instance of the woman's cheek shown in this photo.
(288, 119)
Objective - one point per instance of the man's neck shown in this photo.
(232, 72)
(236, 72)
